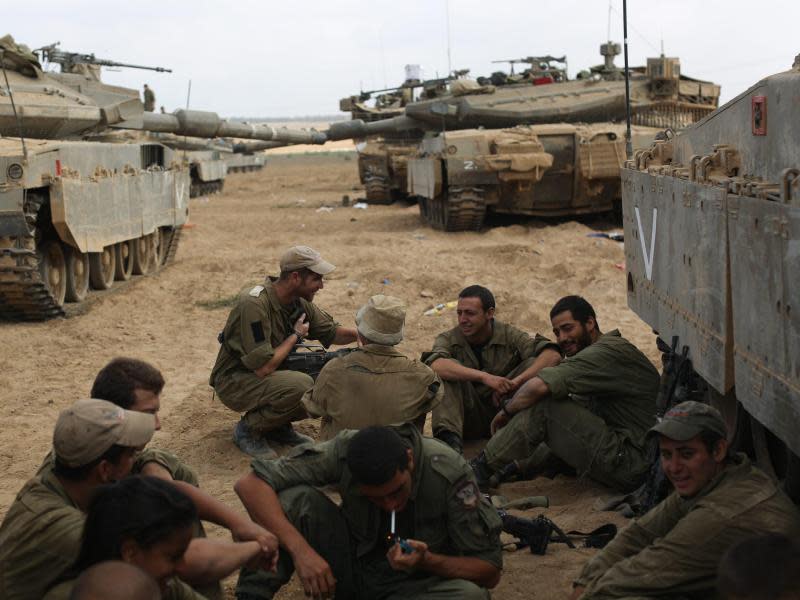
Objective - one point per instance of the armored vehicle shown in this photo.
(242, 163)
(661, 97)
(76, 213)
(712, 232)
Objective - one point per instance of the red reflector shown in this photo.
(543, 80)
(58, 168)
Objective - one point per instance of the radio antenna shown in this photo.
(628, 141)
(13, 105)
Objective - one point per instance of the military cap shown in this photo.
(88, 428)
(688, 419)
(381, 320)
(303, 257)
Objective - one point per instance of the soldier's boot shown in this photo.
(252, 444)
(451, 438)
(483, 473)
(285, 434)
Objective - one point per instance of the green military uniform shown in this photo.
(445, 511)
(176, 590)
(149, 100)
(467, 407)
(601, 404)
(40, 538)
(674, 549)
(374, 385)
(255, 327)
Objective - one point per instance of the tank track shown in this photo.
(23, 294)
(461, 210)
(205, 188)
(377, 191)
(172, 245)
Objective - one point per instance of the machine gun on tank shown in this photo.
(68, 60)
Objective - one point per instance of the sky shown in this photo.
(279, 58)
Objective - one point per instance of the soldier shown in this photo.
(149, 99)
(391, 480)
(94, 442)
(481, 361)
(262, 329)
(592, 411)
(376, 384)
(760, 567)
(719, 499)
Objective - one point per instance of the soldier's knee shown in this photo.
(295, 382)
(304, 501)
(466, 590)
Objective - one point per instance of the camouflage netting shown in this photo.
(18, 57)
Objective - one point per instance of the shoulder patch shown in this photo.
(258, 332)
(256, 291)
(468, 494)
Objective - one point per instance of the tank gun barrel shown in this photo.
(197, 123)
(68, 60)
(359, 129)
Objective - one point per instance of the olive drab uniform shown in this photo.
(373, 385)
(40, 538)
(673, 551)
(175, 590)
(149, 99)
(445, 510)
(467, 407)
(255, 327)
(602, 402)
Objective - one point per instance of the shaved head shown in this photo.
(115, 579)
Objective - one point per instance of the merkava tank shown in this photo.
(712, 231)
(458, 184)
(74, 213)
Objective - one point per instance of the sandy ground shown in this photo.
(236, 237)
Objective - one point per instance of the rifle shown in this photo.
(68, 60)
(311, 358)
(537, 533)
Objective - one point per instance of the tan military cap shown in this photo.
(381, 320)
(688, 419)
(88, 428)
(303, 257)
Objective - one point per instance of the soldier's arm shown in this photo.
(285, 347)
(476, 570)
(207, 561)
(452, 370)
(345, 335)
(549, 357)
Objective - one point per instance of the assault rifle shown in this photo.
(310, 358)
(68, 60)
(538, 533)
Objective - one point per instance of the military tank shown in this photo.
(458, 183)
(712, 231)
(76, 214)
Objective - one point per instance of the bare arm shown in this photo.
(472, 569)
(207, 561)
(451, 370)
(153, 469)
(577, 592)
(529, 394)
(345, 335)
(547, 358)
(264, 507)
(285, 347)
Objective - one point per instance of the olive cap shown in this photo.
(303, 257)
(88, 428)
(688, 419)
(381, 320)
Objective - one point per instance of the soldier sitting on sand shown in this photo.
(719, 499)
(391, 481)
(481, 362)
(376, 384)
(592, 411)
(266, 324)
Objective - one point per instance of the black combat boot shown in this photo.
(451, 438)
(483, 473)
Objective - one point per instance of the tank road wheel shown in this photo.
(142, 255)
(463, 211)
(102, 266)
(123, 259)
(377, 191)
(77, 274)
(53, 270)
(157, 249)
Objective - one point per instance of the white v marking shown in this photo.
(648, 259)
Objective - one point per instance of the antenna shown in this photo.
(447, 15)
(610, 9)
(188, 97)
(628, 142)
(13, 105)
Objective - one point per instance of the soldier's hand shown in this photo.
(315, 574)
(498, 384)
(497, 399)
(500, 420)
(577, 592)
(407, 562)
(300, 326)
(247, 530)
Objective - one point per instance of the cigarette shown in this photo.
(392, 522)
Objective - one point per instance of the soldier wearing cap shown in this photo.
(391, 481)
(376, 384)
(149, 98)
(719, 499)
(266, 324)
(592, 411)
(482, 361)
(95, 442)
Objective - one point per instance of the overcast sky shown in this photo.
(291, 58)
